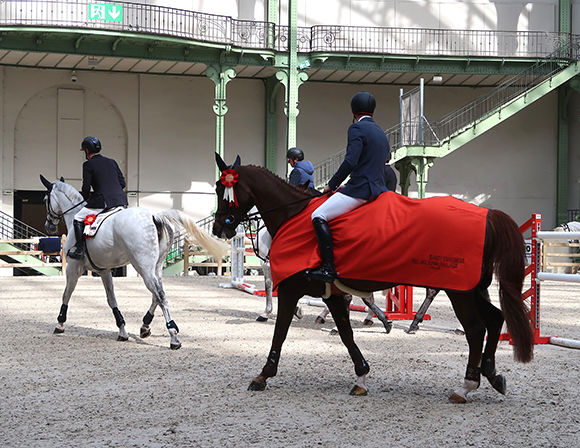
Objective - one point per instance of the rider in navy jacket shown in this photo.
(366, 154)
(302, 171)
(104, 176)
(107, 182)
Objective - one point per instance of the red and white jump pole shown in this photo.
(536, 276)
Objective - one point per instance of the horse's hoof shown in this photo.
(145, 333)
(368, 322)
(456, 398)
(261, 319)
(298, 312)
(256, 385)
(333, 332)
(320, 320)
(358, 391)
(499, 384)
(58, 330)
(173, 346)
(122, 339)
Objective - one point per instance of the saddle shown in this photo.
(93, 222)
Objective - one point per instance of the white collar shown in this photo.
(364, 116)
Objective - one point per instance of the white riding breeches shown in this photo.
(83, 212)
(338, 204)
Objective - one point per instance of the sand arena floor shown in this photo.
(85, 389)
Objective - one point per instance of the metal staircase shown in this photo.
(10, 229)
(456, 129)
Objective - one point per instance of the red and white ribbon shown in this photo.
(229, 178)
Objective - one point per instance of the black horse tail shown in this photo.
(507, 250)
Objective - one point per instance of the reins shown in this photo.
(59, 216)
(257, 217)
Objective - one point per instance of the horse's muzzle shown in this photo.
(50, 228)
(222, 231)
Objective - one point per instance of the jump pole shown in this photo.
(537, 276)
(238, 248)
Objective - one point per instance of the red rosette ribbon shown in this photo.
(89, 219)
(229, 178)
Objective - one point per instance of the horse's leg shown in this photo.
(340, 313)
(287, 301)
(321, 318)
(493, 319)
(107, 279)
(466, 310)
(73, 272)
(375, 310)
(145, 330)
(155, 285)
(268, 288)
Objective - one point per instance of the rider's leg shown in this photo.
(78, 251)
(336, 205)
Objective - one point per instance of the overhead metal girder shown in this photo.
(130, 45)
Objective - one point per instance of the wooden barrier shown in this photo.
(38, 262)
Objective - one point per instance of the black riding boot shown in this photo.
(326, 271)
(78, 252)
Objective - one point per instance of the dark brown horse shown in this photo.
(278, 201)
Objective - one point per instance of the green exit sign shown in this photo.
(105, 12)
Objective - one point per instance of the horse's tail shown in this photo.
(507, 250)
(216, 248)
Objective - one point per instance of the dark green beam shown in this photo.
(127, 45)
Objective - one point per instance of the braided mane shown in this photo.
(277, 178)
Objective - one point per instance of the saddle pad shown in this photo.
(92, 229)
(435, 242)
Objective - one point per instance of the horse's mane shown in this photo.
(278, 179)
(68, 190)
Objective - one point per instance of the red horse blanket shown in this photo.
(435, 242)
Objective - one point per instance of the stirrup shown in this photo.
(77, 255)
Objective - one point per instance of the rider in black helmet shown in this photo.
(302, 171)
(107, 182)
(366, 153)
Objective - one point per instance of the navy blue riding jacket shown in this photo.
(366, 154)
(303, 172)
(107, 181)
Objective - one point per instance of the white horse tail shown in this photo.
(216, 248)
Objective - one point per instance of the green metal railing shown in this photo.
(478, 109)
(248, 34)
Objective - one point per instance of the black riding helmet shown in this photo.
(363, 102)
(92, 144)
(295, 153)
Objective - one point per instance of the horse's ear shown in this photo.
(220, 162)
(237, 163)
(45, 182)
(61, 179)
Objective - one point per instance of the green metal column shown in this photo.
(271, 17)
(404, 168)
(272, 86)
(421, 167)
(293, 77)
(562, 162)
(220, 75)
(564, 22)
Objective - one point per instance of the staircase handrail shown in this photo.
(459, 119)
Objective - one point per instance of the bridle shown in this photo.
(53, 216)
